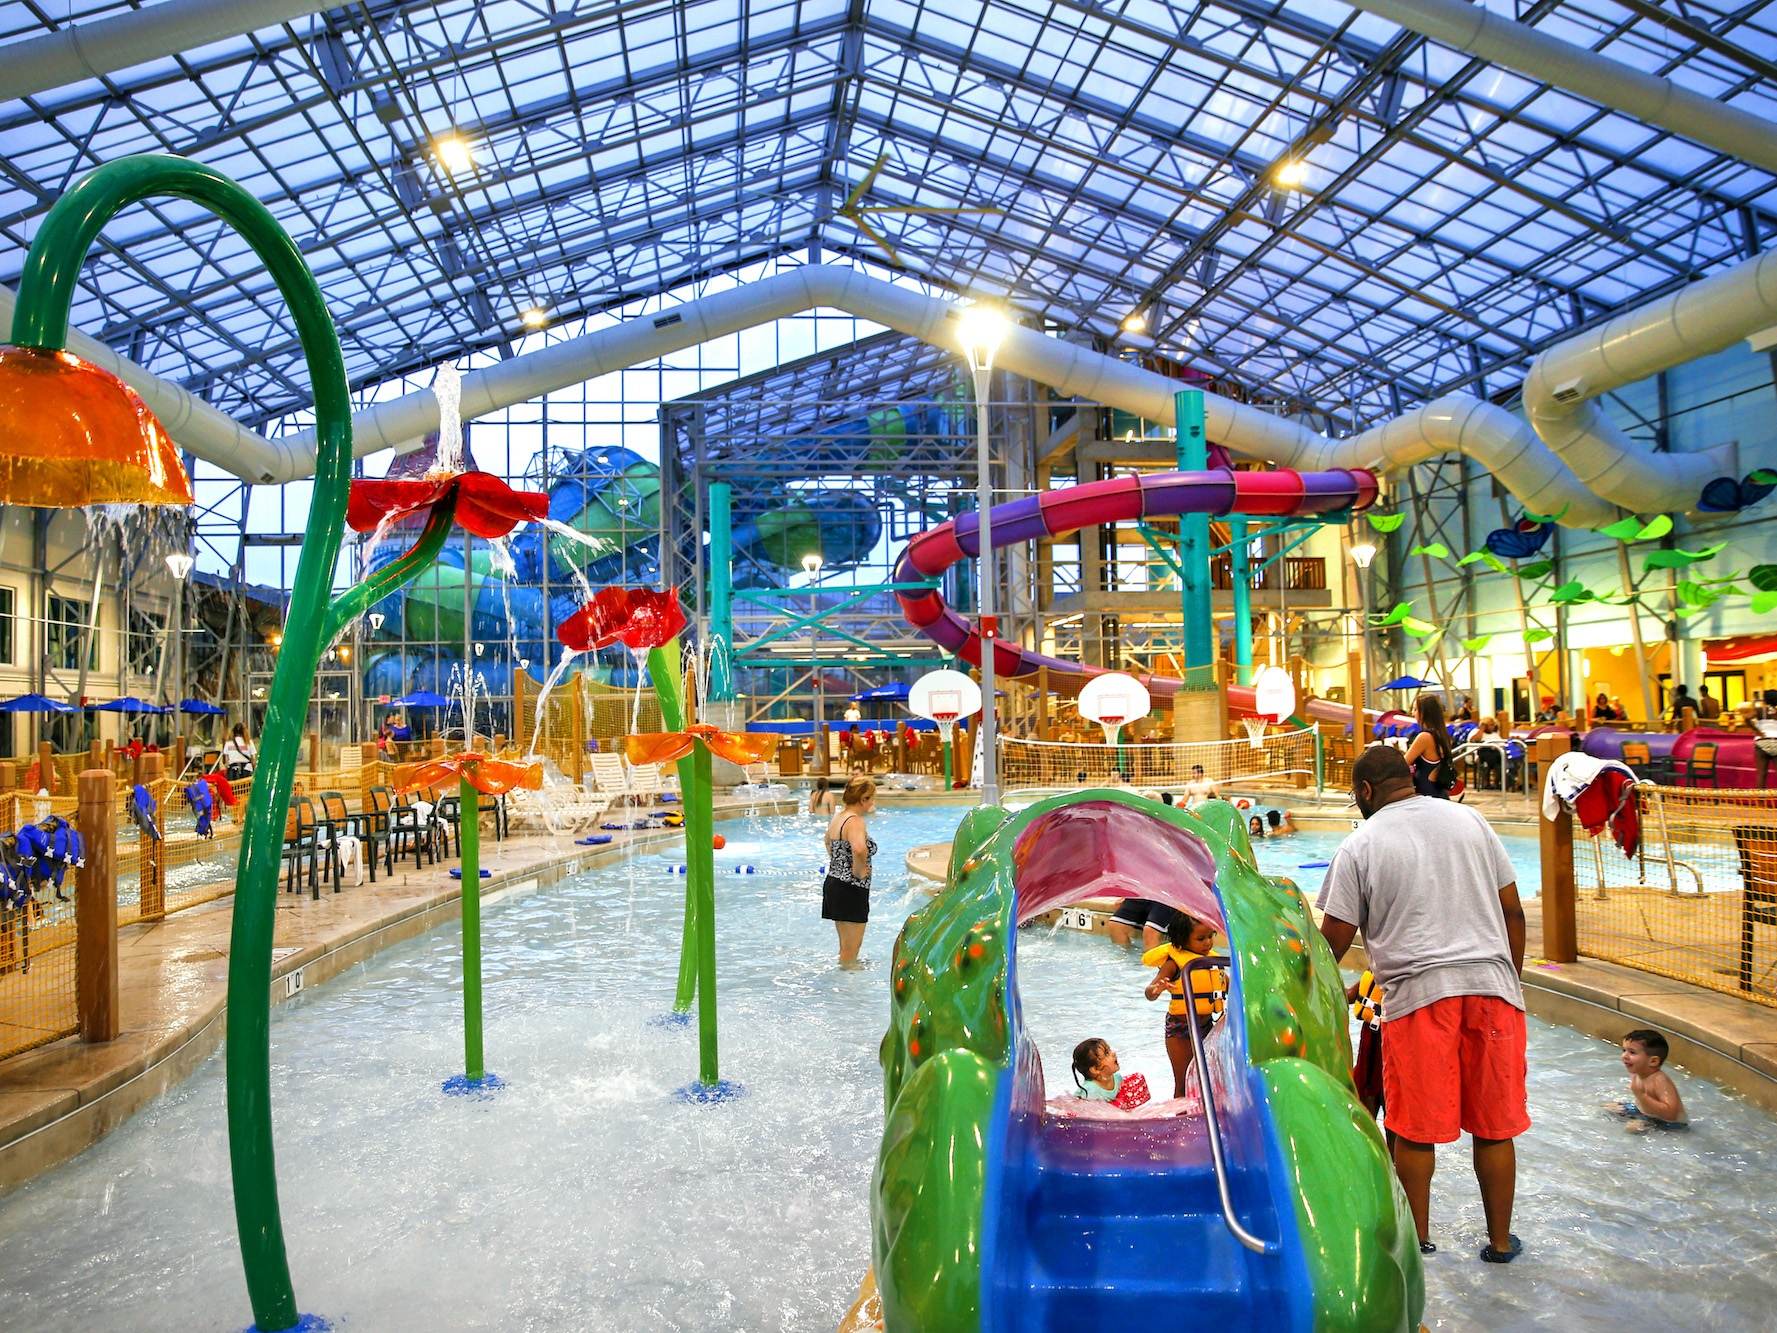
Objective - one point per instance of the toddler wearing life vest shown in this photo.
(1365, 996)
(1187, 938)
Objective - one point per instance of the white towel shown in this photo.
(1570, 775)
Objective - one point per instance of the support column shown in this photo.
(1243, 599)
(1560, 933)
(721, 593)
(1197, 712)
(95, 909)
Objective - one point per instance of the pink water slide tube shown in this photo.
(1279, 493)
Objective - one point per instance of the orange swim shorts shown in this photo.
(1456, 1065)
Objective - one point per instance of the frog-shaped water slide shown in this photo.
(1272, 1206)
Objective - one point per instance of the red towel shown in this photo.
(1610, 800)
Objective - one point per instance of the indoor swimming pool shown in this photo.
(584, 1196)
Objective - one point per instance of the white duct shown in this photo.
(212, 436)
(1492, 436)
(91, 50)
(1643, 97)
(1563, 382)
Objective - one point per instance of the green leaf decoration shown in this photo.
(1536, 634)
(1700, 595)
(1484, 557)
(1572, 591)
(1535, 569)
(1686, 612)
(1477, 643)
(1548, 518)
(1418, 628)
(1438, 549)
(1386, 522)
(1678, 557)
(1763, 577)
(1396, 615)
(1632, 529)
(1762, 476)
(1764, 603)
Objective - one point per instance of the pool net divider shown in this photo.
(1698, 900)
(1280, 758)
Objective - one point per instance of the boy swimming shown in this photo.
(1656, 1100)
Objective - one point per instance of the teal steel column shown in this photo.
(721, 586)
(1199, 629)
(1243, 600)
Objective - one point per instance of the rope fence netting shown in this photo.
(1698, 900)
(1279, 758)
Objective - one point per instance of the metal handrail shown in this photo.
(1240, 1233)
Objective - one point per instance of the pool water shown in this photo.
(586, 1197)
(1295, 856)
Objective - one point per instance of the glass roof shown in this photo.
(1085, 159)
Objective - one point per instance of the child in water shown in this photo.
(1656, 1100)
(1186, 938)
(1096, 1071)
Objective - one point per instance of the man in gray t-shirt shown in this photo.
(1430, 885)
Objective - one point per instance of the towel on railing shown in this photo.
(1600, 792)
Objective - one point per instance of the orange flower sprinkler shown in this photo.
(72, 433)
(477, 775)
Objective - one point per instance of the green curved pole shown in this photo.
(46, 290)
(669, 689)
(469, 856)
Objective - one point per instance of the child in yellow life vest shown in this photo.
(1186, 938)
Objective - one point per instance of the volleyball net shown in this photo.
(1285, 759)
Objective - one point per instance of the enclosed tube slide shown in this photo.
(1270, 1205)
(1120, 500)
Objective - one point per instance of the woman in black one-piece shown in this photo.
(1429, 754)
(845, 895)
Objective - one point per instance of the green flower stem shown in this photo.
(663, 670)
(355, 601)
(469, 855)
(46, 291)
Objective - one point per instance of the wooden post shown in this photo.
(95, 755)
(178, 757)
(154, 864)
(1560, 932)
(1043, 733)
(314, 754)
(46, 768)
(95, 909)
(576, 733)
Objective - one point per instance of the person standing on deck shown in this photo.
(1430, 885)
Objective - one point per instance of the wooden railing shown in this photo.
(1293, 573)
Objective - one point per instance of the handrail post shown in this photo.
(1212, 1124)
(1560, 929)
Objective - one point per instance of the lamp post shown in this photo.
(1362, 553)
(980, 330)
(179, 566)
(811, 566)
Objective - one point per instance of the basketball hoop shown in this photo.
(1255, 731)
(946, 723)
(1113, 699)
(943, 697)
(1111, 726)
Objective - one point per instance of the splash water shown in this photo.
(447, 388)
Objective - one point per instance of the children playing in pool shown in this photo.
(1187, 938)
(1099, 1078)
(1656, 1100)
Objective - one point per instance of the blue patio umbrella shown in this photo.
(895, 693)
(1409, 683)
(128, 704)
(201, 708)
(420, 699)
(34, 703)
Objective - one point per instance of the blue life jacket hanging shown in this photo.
(203, 804)
(142, 811)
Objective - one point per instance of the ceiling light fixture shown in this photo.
(1135, 322)
(1291, 173)
(453, 153)
(535, 317)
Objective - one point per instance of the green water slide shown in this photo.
(1274, 1206)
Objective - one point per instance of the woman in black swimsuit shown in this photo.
(1429, 754)
(845, 896)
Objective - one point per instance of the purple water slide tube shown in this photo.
(1280, 492)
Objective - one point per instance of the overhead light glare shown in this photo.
(535, 318)
(1135, 322)
(1291, 173)
(453, 153)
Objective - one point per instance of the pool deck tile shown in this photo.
(60, 1098)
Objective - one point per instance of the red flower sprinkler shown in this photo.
(638, 618)
(484, 505)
